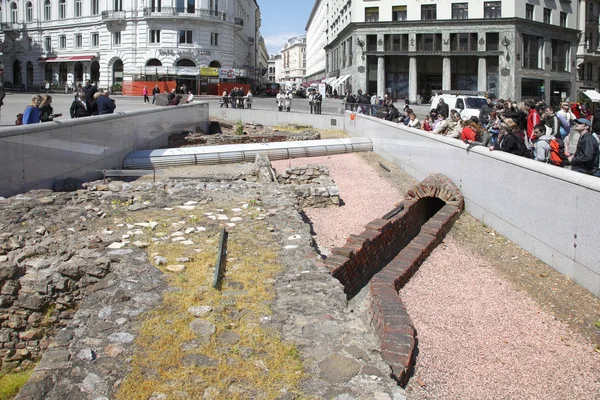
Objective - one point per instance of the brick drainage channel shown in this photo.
(387, 254)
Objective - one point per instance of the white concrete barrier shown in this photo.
(35, 156)
(548, 211)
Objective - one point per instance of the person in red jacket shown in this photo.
(533, 118)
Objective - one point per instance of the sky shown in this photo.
(283, 19)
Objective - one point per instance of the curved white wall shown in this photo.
(548, 211)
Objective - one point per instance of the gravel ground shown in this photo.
(479, 337)
(365, 193)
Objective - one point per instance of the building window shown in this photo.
(116, 38)
(428, 11)
(492, 41)
(463, 41)
(547, 16)
(78, 41)
(460, 11)
(529, 12)
(62, 9)
(154, 35)
(214, 39)
(156, 5)
(95, 7)
(29, 12)
(372, 14)
(429, 42)
(47, 11)
(62, 40)
(399, 13)
(186, 6)
(95, 39)
(118, 5)
(531, 51)
(560, 55)
(48, 44)
(213, 7)
(14, 13)
(563, 19)
(492, 9)
(350, 53)
(185, 37)
(78, 8)
(396, 42)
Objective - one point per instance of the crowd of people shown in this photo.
(88, 101)
(529, 129)
(237, 98)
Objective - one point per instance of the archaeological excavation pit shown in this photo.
(385, 256)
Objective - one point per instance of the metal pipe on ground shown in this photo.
(220, 256)
(236, 153)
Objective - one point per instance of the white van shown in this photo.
(468, 106)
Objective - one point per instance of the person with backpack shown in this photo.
(541, 143)
(32, 112)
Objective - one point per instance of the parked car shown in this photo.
(468, 106)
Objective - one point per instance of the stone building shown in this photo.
(66, 42)
(316, 40)
(588, 52)
(412, 48)
(293, 60)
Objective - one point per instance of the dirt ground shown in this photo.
(556, 293)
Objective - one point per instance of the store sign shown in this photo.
(184, 52)
(225, 73)
(205, 71)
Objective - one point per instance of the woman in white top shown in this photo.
(413, 121)
(190, 97)
(249, 99)
(566, 114)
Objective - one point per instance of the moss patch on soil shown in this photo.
(12, 382)
(256, 363)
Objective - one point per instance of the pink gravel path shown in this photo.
(479, 338)
(365, 193)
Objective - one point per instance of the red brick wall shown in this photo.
(364, 255)
(386, 255)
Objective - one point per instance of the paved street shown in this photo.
(15, 103)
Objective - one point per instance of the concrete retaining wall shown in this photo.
(273, 118)
(35, 156)
(548, 211)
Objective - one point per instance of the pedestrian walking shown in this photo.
(318, 102)
(46, 110)
(145, 93)
(224, 99)
(106, 105)
(155, 92)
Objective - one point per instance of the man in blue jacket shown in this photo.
(106, 105)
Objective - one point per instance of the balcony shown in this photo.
(238, 21)
(170, 12)
(113, 16)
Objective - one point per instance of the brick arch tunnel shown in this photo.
(387, 253)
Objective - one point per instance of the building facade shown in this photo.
(316, 40)
(66, 42)
(293, 60)
(588, 52)
(513, 49)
